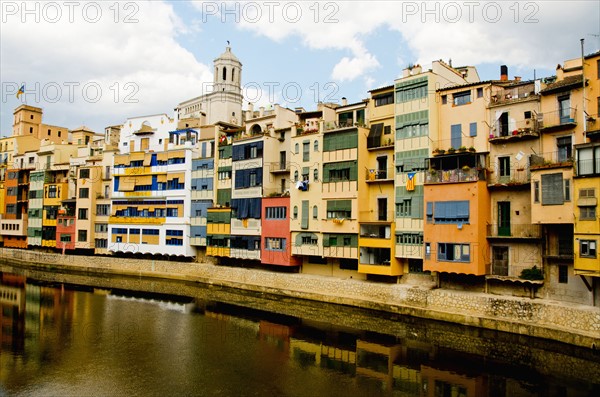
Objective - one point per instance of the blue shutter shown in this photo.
(463, 209)
(203, 150)
(429, 208)
(473, 129)
(455, 136)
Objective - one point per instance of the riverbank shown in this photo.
(569, 323)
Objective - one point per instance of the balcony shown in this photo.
(135, 220)
(374, 175)
(279, 167)
(522, 130)
(558, 120)
(513, 231)
(454, 175)
(514, 178)
(561, 158)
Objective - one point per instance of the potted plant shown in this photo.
(451, 150)
(437, 151)
(471, 149)
(466, 168)
(462, 149)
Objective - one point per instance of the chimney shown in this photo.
(261, 111)
(503, 73)
(250, 111)
(517, 78)
(344, 101)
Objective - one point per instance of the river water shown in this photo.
(109, 336)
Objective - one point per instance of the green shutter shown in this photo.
(304, 224)
(417, 207)
(339, 205)
(223, 196)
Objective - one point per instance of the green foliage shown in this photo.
(532, 274)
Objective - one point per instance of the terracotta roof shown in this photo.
(562, 85)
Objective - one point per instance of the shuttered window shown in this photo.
(304, 223)
(552, 189)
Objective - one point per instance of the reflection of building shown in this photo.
(440, 383)
(12, 312)
(376, 360)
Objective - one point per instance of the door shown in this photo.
(382, 208)
(500, 262)
(564, 109)
(282, 160)
(382, 167)
(504, 218)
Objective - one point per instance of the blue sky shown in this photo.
(141, 58)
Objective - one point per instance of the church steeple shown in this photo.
(228, 72)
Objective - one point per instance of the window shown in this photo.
(480, 92)
(82, 214)
(449, 212)
(311, 240)
(411, 90)
(101, 243)
(295, 176)
(563, 274)
(587, 248)
(315, 212)
(598, 68)
(527, 115)
(316, 146)
(316, 175)
(306, 151)
(451, 252)
(339, 209)
(276, 212)
(536, 191)
(339, 175)
(84, 192)
(410, 238)
(384, 99)
(473, 129)
(172, 212)
(150, 232)
(444, 99)
(504, 166)
(84, 173)
(82, 235)
(552, 189)
(387, 130)
(296, 148)
(224, 175)
(587, 193)
(174, 241)
(567, 186)
(461, 98)
(134, 231)
(101, 228)
(404, 208)
(295, 212)
(564, 147)
(587, 213)
(65, 238)
(588, 160)
(275, 244)
(176, 233)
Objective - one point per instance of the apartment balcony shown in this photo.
(414, 251)
(130, 220)
(303, 129)
(559, 159)
(514, 231)
(13, 227)
(340, 252)
(375, 175)
(334, 125)
(278, 167)
(241, 253)
(558, 120)
(514, 178)
(522, 130)
(246, 227)
(198, 241)
(454, 175)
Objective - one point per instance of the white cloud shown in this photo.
(138, 61)
(351, 68)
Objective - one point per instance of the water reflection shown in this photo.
(62, 339)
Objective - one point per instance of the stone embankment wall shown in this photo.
(570, 323)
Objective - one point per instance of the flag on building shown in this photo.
(410, 181)
(21, 91)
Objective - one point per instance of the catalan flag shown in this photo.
(21, 91)
(410, 181)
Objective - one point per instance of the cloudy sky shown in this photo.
(97, 63)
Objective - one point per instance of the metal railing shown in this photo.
(506, 131)
(374, 174)
(558, 117)
(515, 176)
(525, 230)
(561, 157)
(455, 175)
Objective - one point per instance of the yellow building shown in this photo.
(561, 126)
(586, 185)
(376, 198)
(515, 243)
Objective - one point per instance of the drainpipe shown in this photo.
(583, 90)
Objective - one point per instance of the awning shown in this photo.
(176, 154)
(179, 175)
(147, 160)
(162, 156)
(374, 138)
(136, 156)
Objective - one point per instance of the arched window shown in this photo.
(316, 175)
(224, 73)
(256, 129)
(295, 176)
(316, 146)
(232, 74)
(216, 72)
(315, 212)
(296, 149)
(295, 212)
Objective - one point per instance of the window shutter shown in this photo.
(552, 189)
(473, 129)
(455, 136)
(304, 224)
(462, 209)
